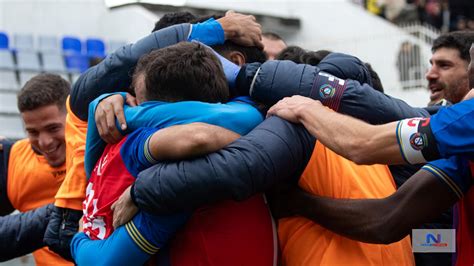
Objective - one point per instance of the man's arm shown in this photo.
(275, 151)
(274, 80)
(380, 221)
(187, 141)
(23, 233)
(349, 137)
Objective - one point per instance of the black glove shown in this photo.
(63, 225)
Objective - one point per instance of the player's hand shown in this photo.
(242, 29)
(290, 108)
(124, 209)
(106, 112)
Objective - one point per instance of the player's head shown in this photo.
(292, 53)
(42, 104)
(448, 77)
(273, 44)
(174, 18)
(184, 71)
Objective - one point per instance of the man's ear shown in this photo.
(236, 57)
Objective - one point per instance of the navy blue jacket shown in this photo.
(247, 166)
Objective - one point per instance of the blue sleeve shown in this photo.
(114, 72)
(209, 32)
(275, 151)
(454, 172)
(5, 204)
(94, 143)
(135, 151)
(453, 129)
(118, 249)
(131, 244)
(345, 66)
(274, 80)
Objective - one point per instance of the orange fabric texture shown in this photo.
(32, 183)
(72, 192)
(304, 242)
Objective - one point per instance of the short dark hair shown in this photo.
(184, 71)
(170, 19)
(376, 82)
(459, 40)
(43, 90)
(292, 53)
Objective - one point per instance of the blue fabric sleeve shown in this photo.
(118, 249)
(135, 153)
(454, 172)
(209, 32)
(274, 80)
(452, 127)
(238, 115)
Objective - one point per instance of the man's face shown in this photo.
(272, 47)
(447, 77)
(45, 129)
(471, 67)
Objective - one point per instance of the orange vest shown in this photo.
(32, 183)
(304, 242)
(72, 192)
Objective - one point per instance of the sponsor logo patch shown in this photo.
(326, 91)
(418, 141)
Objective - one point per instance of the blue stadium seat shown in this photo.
(95, 48)
(76, 62)
(3, 40)
(23, 42)
(71, 45)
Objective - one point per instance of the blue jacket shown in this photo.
(275, 151)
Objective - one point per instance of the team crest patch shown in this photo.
(326, 91)
(417, 141)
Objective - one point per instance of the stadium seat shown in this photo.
(23, 42)
(3, 40)
(27, 60)
(48, 44)
(27, 75)
(8, 103)
(12, 127)
(8, 80)
(53, 62)
(76, 63)
(95, 48)
(71, 45)
(6, 59)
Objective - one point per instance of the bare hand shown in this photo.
(242, 29)
(106, 112)
(124, 209)
(291, 108)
